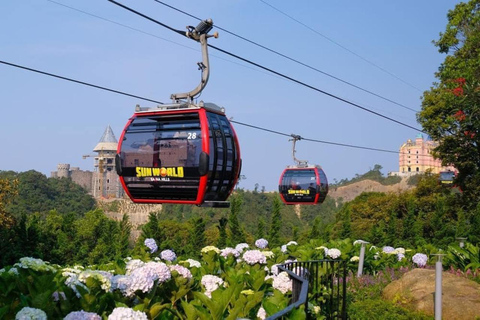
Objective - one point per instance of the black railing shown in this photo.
(322, 283)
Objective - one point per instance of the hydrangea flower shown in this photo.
(57, 295)
(184, 272)
(151, 244)
(72, 282)
(28, 313)
(132, 265)
(283, 248)
(420, 259)
(210, 248)
(268, 254)
(142, 278)
(229, 252)
(193, 263)
(103, 276)
(400, 250)
(34, 264)
(261, 243)
(168, 255)
(354, 258)
(13, 271)
(282, 282)
(254, 256)
(325, 249)
(241, 246)
(334, 253)
(400, 256)
(262, 314)
(274, 269)
(127, 313)
(211, 283)
(82, 315)
(388, 249)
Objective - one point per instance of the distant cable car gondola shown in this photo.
(446, 178)
(183, 152)
(303, 183)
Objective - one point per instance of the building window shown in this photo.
(409, 169)
(418, 169)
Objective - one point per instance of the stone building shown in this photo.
(103, 181)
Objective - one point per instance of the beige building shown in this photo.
(415, 157)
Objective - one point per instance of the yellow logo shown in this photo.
(291, 191)
(159, 172)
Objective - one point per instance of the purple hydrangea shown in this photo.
(168, 255)
(151, 244)
(420, 259)
(261, 243)
(82, 315)
(388, 249)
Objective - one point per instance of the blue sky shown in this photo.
(46, 121)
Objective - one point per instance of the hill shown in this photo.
(350, 191)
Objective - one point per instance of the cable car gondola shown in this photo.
(303, 183)
(446, 178)
(183, 152)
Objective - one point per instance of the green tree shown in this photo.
(236, 231)
(275, 224)
(451, 108)
(222, 228)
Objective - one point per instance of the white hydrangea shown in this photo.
(268, 254)
(82, 315)
(334, 253)
(27, 313)
(184, 272)
(282, 282)
(211, 283)
(210, 248)
(103, 276)
(13, 271)
(262, 314)
(253, 257)
(122, 313)
(241, 246)
(194, 263)
(132, 265)
(229, 252)
(73, 282)
(354, 259)
(34, 264)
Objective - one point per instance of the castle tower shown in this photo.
(106, 183)
(63, 170)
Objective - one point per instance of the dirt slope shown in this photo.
(349, 192)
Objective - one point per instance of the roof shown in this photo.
(107, 142)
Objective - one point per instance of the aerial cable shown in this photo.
(272, 71)
(343, 47)
(231, 120)
(79, 82)
(291, 59)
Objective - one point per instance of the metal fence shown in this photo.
(321, 283)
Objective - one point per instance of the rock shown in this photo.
(415, 291)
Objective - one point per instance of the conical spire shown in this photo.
(107, 142)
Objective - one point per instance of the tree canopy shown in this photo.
(451, 108)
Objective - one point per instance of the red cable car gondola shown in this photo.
(182, 153)
(303, 183)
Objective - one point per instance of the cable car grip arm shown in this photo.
(200, 34)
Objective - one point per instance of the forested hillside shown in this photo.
(56, 220)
